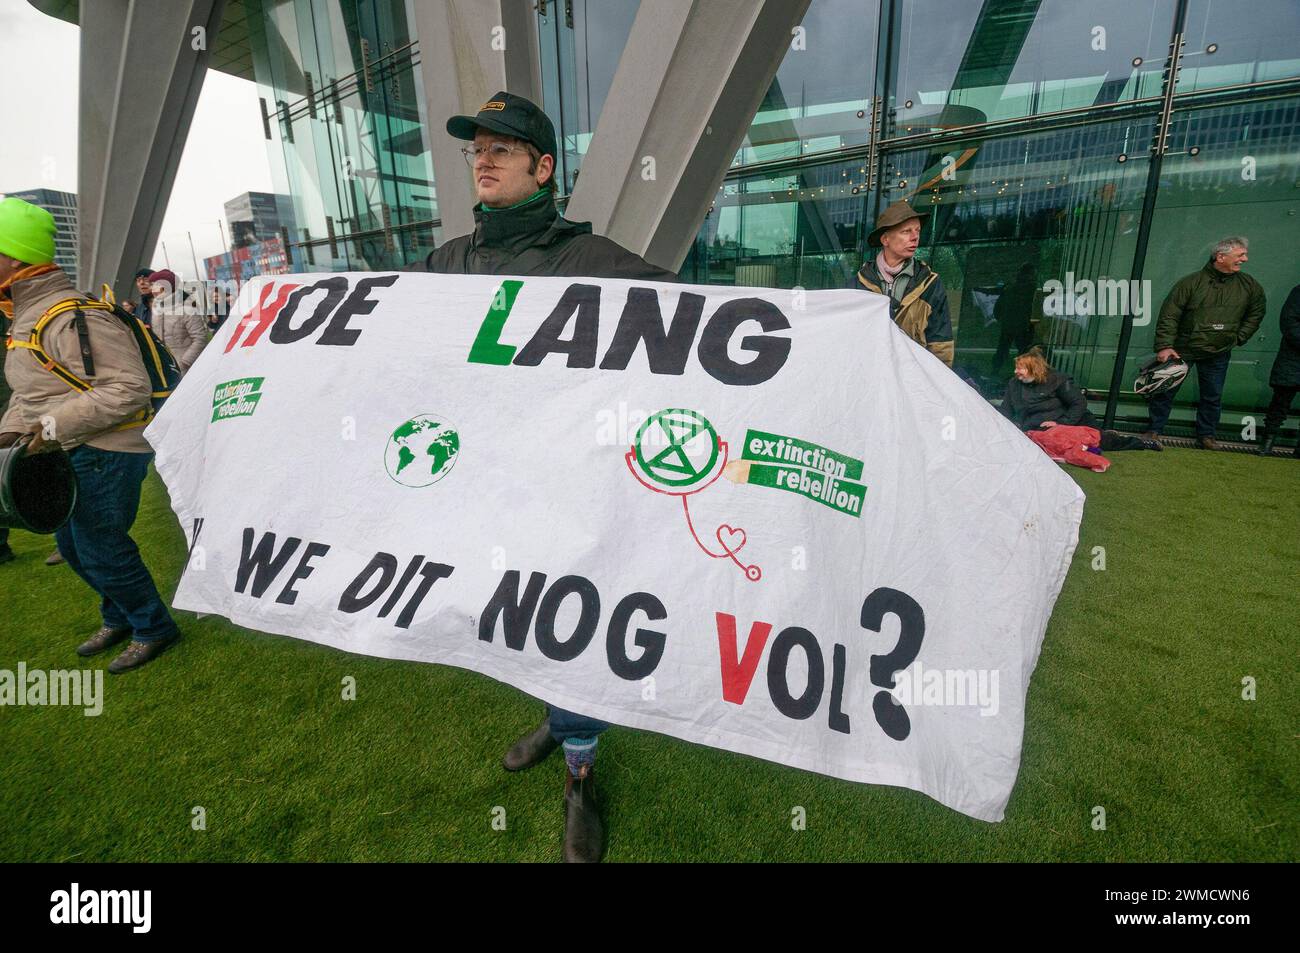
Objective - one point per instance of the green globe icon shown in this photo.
(421, 451)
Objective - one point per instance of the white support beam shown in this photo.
(687, 86)
(470, 49)
(142, 67)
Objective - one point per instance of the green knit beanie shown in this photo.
(26, 232)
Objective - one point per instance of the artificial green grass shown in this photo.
(1135, 707)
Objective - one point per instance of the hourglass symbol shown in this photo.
(678, 453)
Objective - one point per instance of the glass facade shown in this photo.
(339, 80)
(1028, 128)
(1003, 60)
(579, 45)
(1050, 140)
(810, 108)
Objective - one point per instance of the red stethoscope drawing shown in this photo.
(732, 539)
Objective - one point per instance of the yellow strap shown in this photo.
(868, 285)
(140, 419)
(907, 298)
(51, 365)
(72, 304)
(33, 343)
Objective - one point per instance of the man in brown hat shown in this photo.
(918, 302)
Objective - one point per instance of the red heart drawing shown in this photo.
(731, 536)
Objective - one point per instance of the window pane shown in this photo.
(965, 63)
(1241, 182)
(799, 229)
(1230, 43)
(820, 97)
(354, 156)
(579, 55)
(1009, 215)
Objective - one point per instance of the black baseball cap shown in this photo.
(508, 115)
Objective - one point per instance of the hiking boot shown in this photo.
(140, 653)
(583, 832)
(531, 749)
(105, 637)
(1207, 443)
(54, 559)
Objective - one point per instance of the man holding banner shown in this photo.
(918, 301)
(519, 231)
(840, 559)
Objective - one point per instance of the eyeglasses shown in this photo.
(497, 152)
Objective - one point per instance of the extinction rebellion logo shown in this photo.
(677, 452)
(421, 451)
(797, 466)
(236, 398)
(676, 449)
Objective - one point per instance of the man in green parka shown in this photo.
(1206, 315)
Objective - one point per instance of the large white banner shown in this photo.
(757, 519)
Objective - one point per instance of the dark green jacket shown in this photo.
(532, 238)
(1209, 312)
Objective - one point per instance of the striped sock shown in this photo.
(580, 755)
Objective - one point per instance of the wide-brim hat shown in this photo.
(508, 115)
(897, 213)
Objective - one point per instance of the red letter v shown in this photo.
(737, 675)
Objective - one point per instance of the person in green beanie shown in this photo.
(26, 232)
(94, 407)
(27, 236)
(30, 231)
(6, 553)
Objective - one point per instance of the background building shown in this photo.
(1116, 139)
(257, 217)
(63, 206)
(260, 229)
(251, 259)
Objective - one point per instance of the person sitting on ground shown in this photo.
(1039, 397)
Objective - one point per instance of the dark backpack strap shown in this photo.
(83, 338)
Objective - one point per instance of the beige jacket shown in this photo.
(121, 383)
(184, 334)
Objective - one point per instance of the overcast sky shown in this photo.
(224, 155)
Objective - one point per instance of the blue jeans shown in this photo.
(568, 724)
(96, 544)
(1211, 372)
